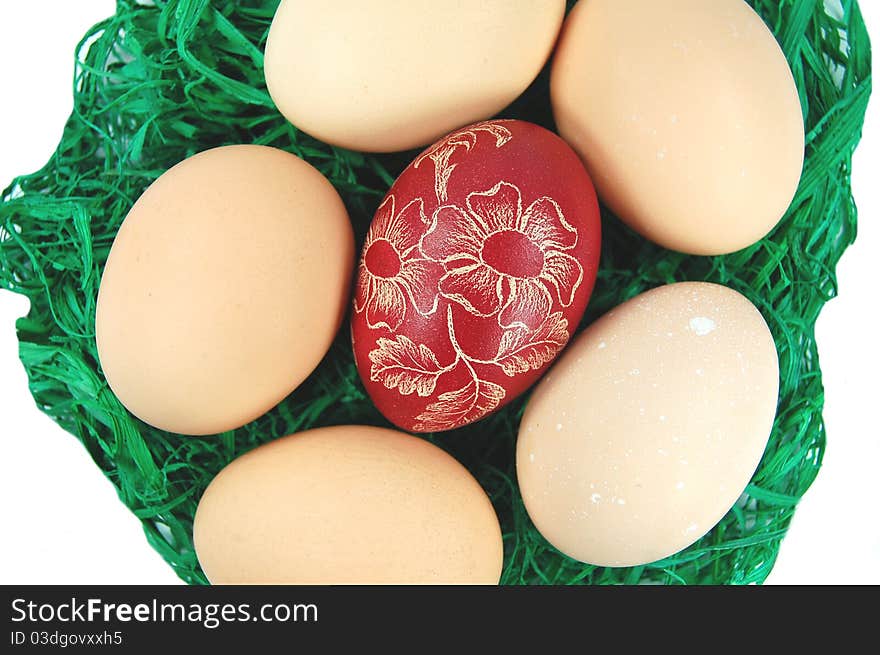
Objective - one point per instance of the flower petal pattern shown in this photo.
(476, 287)
(386, 306)
(565, 273)
(384, 297)
(453, 235)
(363, 288)
(497, 209)
(528, 306)
(397, 227)
(379, 228)
(399, 230)
(421, 279)
(545, 225)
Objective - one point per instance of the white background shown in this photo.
(62, 521)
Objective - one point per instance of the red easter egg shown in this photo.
(476, 269)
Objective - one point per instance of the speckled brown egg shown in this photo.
(648, 428)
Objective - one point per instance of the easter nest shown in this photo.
(160, 81)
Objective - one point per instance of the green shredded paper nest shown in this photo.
(161, 81)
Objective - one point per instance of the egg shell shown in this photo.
(647, 430)
(347, 505)
(223, 289)
(686, 115)
(476, 270)
(387, 75)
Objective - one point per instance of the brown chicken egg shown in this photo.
(345, 505)
(648, 428)
(223, 289)
(686, 115)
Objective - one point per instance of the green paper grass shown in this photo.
(157, 83)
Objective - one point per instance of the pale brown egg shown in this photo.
(223, 289)
(686, 115)
(347, 505)
(648, 428)
(386, 75)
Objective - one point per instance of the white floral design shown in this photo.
(400, 364)
(392, 269)
(441, 152)
(519, 289)
(491, 258)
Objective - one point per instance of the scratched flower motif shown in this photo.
(441, 153)
(486, 254)
(501, 259)
(392, 271)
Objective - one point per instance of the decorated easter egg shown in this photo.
(686, 115)
(647, 430)
(476, 270)
(388, 75)
(343, 505)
